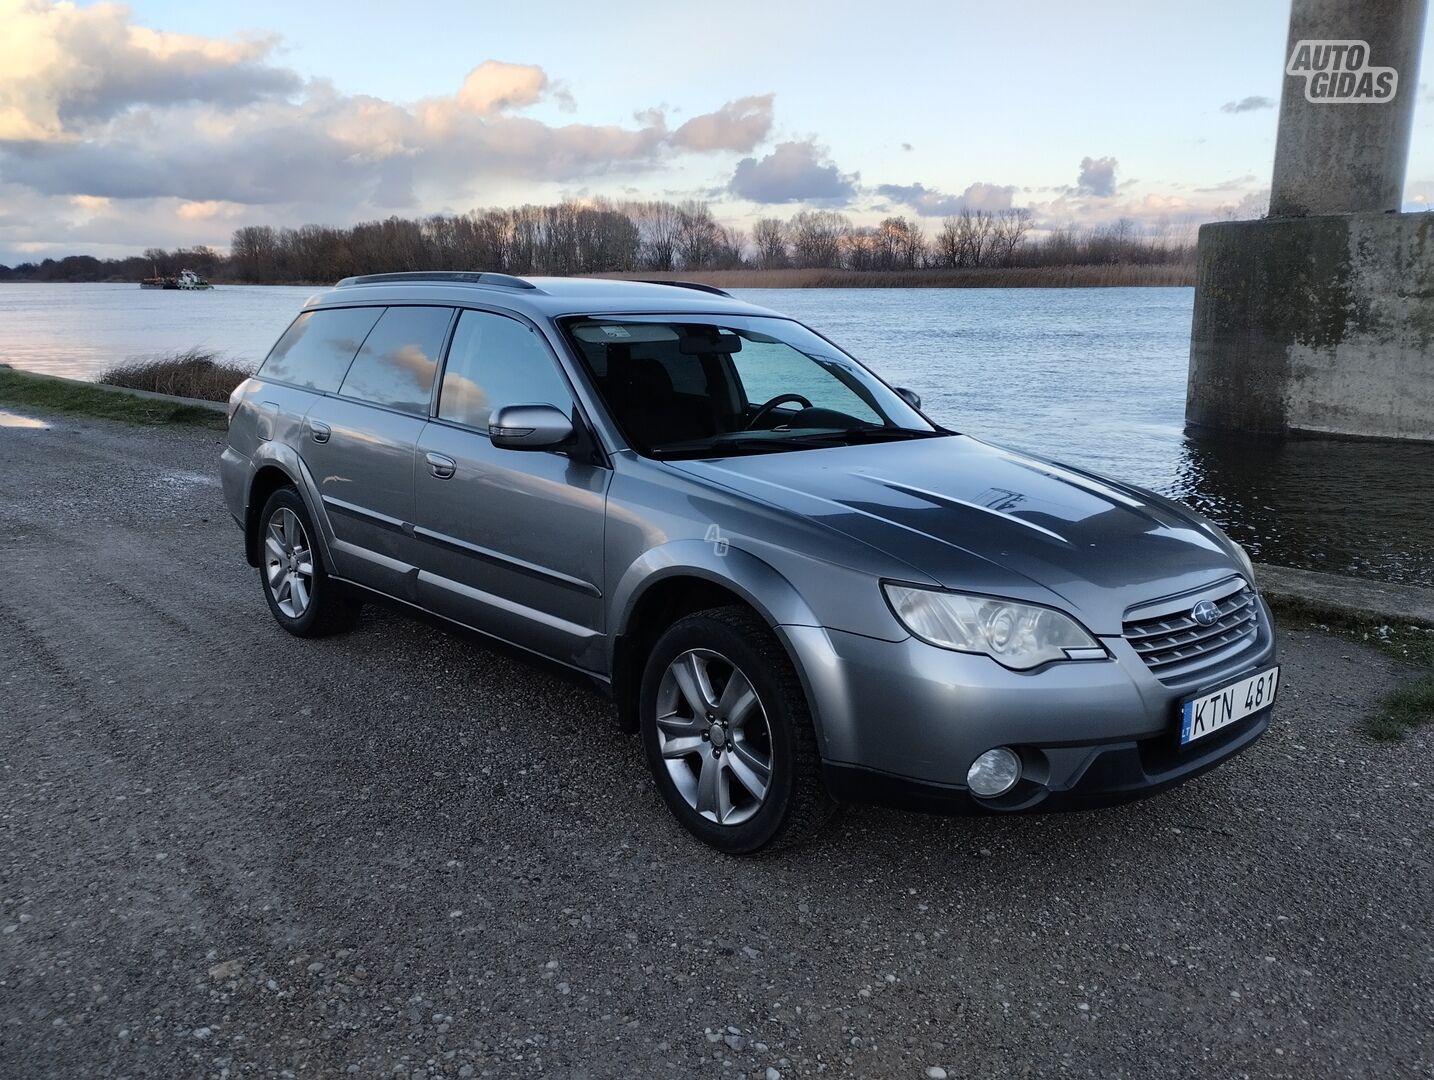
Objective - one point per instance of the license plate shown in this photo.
(1210, 712)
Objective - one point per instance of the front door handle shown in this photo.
(441, 467)
(320, 430)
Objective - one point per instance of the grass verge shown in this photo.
(22, 388)
(1407, 706)
(192, 373)
(1403, 710)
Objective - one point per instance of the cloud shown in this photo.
(793, 172)
(63, 66)
(1097, 177)
(1418, 196)
(1255, 204)
(206, 211)
(738, 125)
(1235, 183)
(494, 86)
(1248, 104)
(928, 202)
(1155, 213)
(92, 104)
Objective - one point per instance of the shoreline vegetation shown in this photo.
(193, 373)
(1410, 705)
(809, 249)
(25, 388)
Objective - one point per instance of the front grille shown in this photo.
(1174, 646)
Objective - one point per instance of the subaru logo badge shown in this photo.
(1205, 613)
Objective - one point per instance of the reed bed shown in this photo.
(193, 373)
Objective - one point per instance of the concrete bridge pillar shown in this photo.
(1335, 156)
(1319, 319)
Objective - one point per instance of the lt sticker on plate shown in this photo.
(1225, 706)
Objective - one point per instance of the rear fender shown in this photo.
(278, 455)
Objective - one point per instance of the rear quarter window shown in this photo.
(318, 347)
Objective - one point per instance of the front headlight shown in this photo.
(1020, 636)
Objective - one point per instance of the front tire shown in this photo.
(729, 736)
(302, 597)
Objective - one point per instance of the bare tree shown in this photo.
(769, 238)
(899, 245)
(1011, 227)
(948, 243)
(252, 251)
(976, 227)
(818, 237)
(731, 249)
(698, 236)
(658, 224)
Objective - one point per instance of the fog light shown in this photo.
(994, 773)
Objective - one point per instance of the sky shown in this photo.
(164, 123)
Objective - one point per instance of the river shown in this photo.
(1095, 377)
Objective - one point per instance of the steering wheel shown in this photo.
(766, 408)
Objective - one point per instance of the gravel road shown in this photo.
(225, 852)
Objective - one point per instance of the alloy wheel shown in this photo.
(289, 563)
(713, 734)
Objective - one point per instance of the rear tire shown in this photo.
(302, 597)
(728, 734)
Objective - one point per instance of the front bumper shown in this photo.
(1105, 774)
(901, 722)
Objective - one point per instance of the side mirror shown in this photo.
(911, 397)
(529, 427)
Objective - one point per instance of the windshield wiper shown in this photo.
(789, 441)
(853, 436)
(718, 447)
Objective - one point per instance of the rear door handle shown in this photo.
(440, 466)
(320, 430)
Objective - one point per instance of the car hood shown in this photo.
(975, 516)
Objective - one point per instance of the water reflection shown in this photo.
(15, 420)
(1347, 506)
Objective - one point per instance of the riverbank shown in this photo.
(27, 389)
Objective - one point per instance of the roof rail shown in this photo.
(689, 285)
(452, 277)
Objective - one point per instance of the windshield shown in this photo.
(702, 386)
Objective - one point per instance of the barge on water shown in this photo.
(187, 280)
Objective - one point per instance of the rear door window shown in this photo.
(318, 347)
(396, 364)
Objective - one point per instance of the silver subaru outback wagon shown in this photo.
(795, 586)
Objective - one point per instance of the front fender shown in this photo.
(755, 581)
(740, 572)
